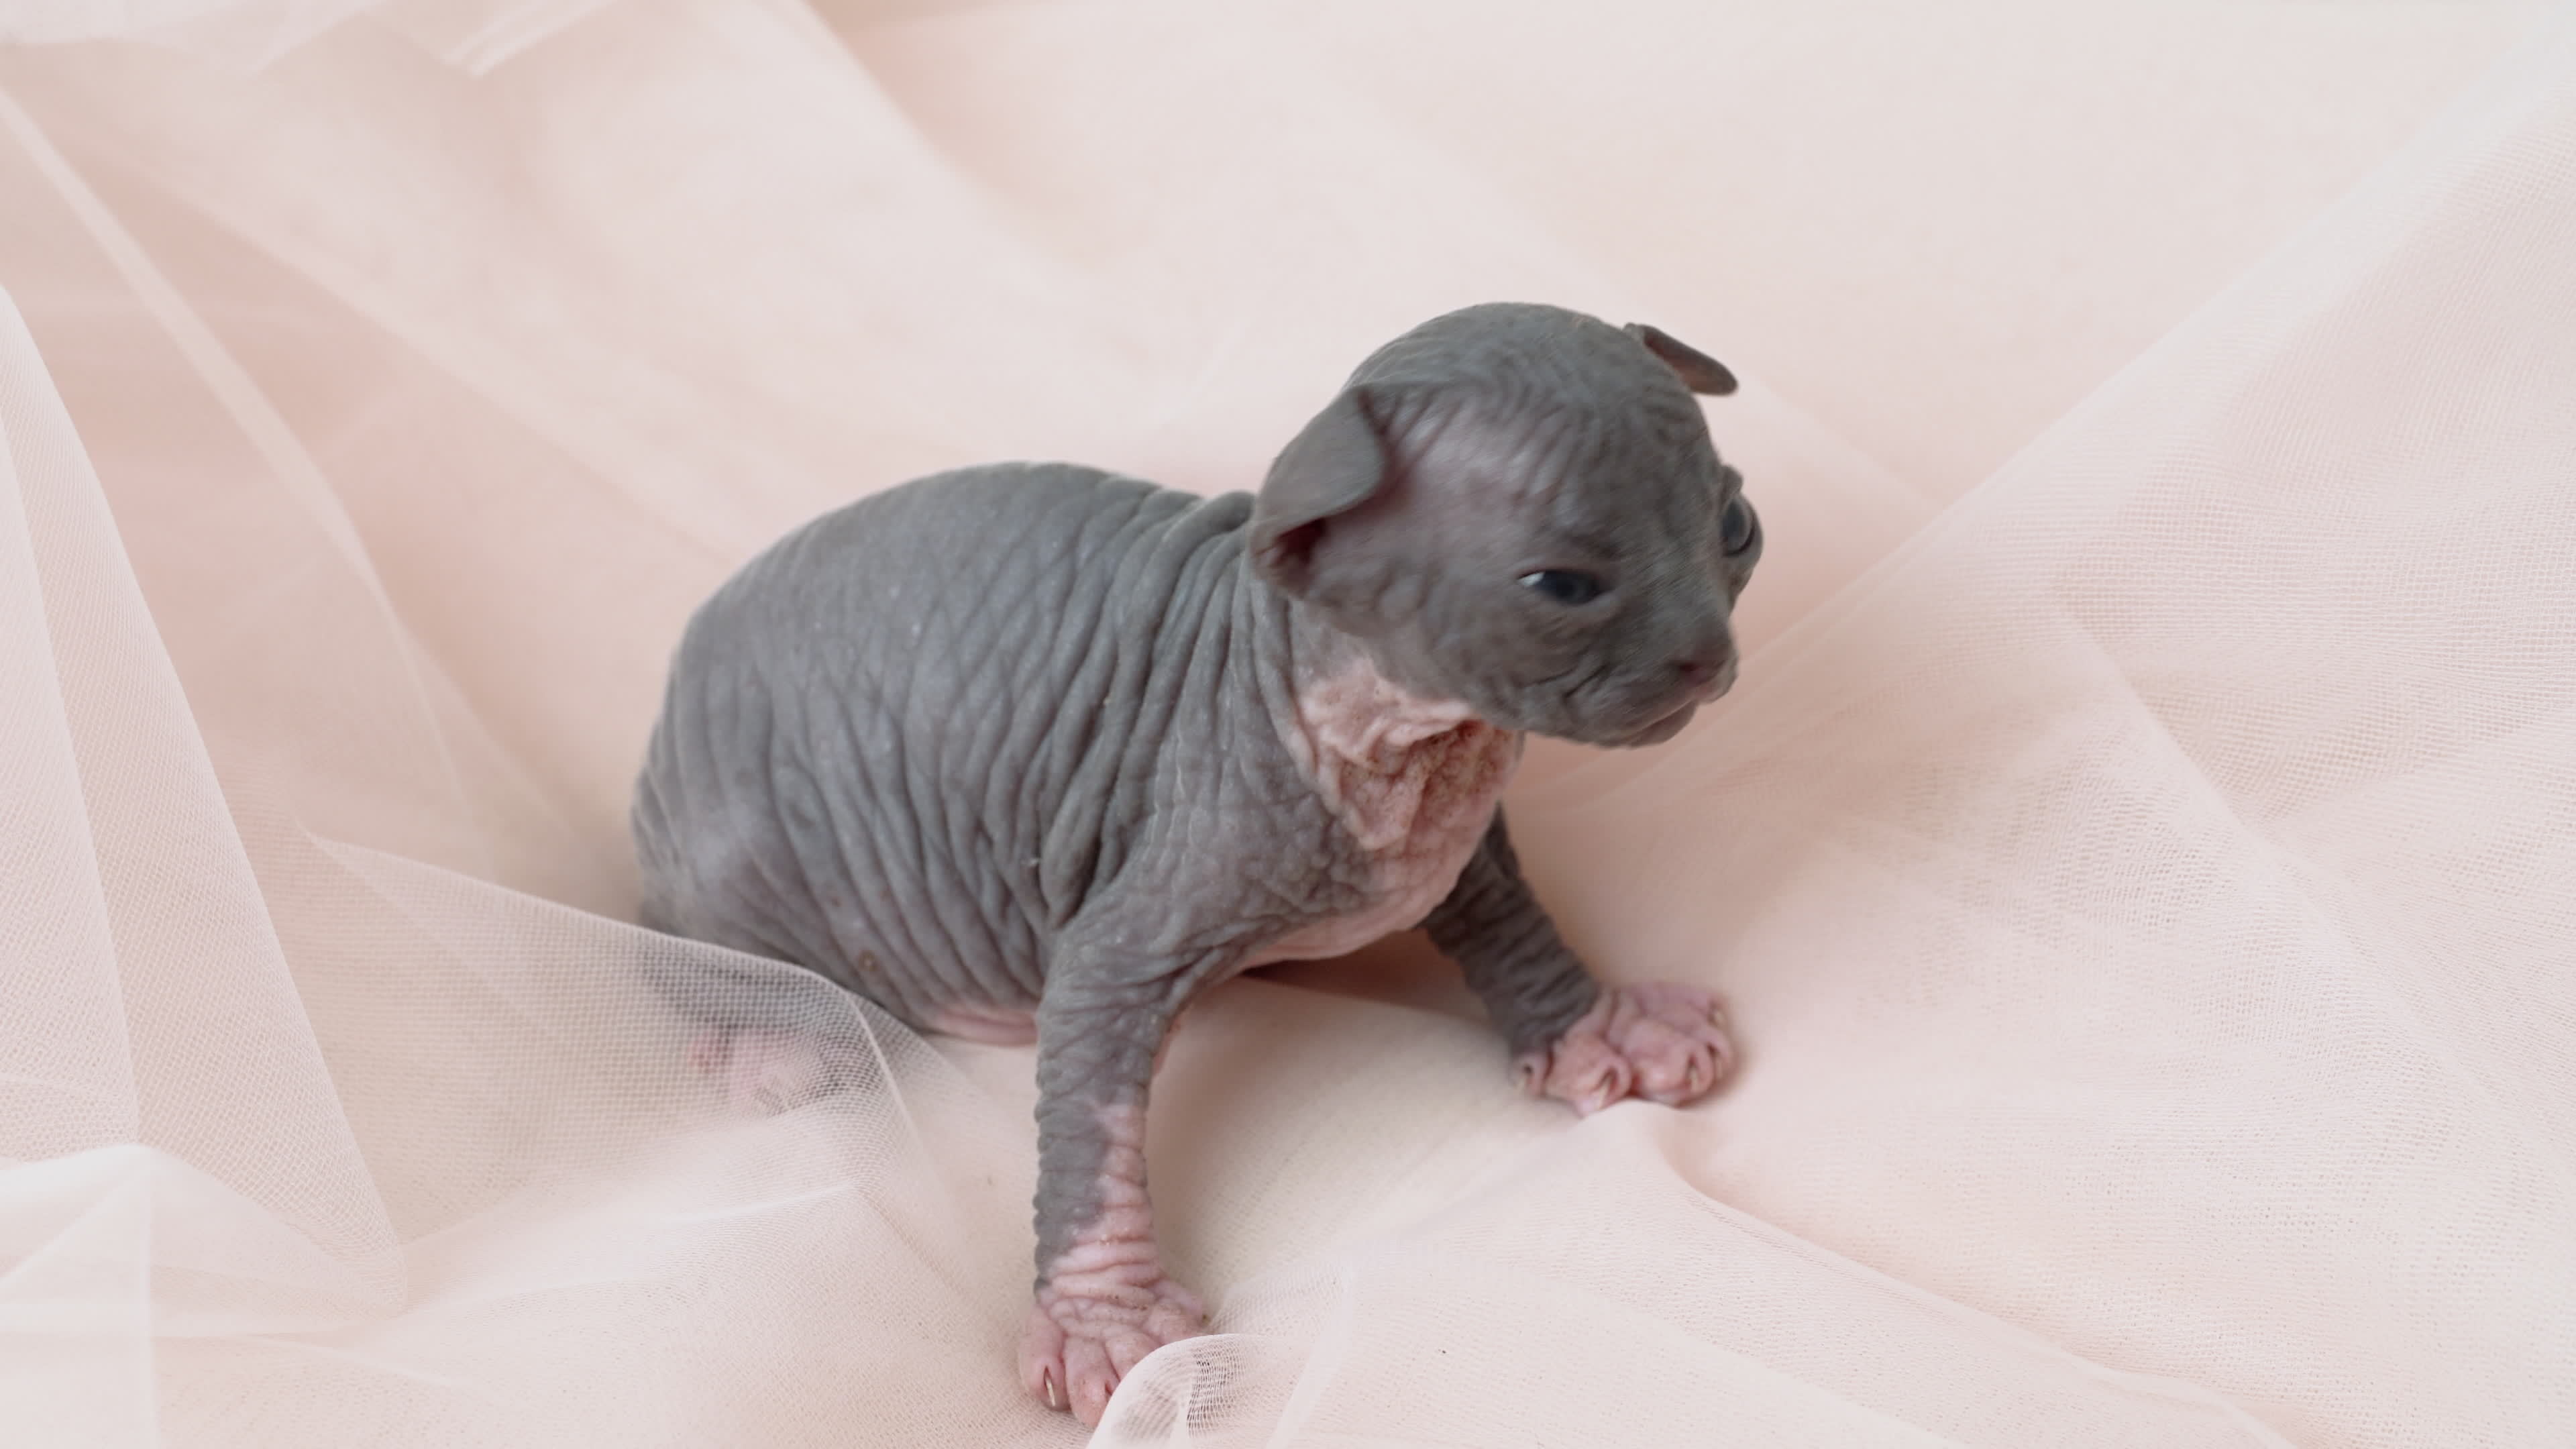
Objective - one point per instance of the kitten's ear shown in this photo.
(1698, 371)
(1337, 463)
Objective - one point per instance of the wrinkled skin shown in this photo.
(1031, 750)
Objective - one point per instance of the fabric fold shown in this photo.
(2138, 855)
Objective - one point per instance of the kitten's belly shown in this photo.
(1417, 824)
(1431, 817)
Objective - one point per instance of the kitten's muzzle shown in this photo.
(1707, 676)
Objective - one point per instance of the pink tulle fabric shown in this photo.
(2140, 856)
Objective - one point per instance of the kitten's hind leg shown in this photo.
(765, 1070)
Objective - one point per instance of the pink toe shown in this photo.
(1042, 1360)
(1529, 1074)
(1126, 1350)
(1092, 1380)
(1608, 1083)
(1170, 1321)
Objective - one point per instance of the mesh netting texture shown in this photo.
(2139, 856)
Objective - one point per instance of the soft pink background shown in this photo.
(2141, 853)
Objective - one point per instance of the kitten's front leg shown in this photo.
(1571, 1037)
(1103, 1300)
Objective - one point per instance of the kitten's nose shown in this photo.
(1706, 673)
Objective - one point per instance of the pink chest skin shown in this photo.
(1415, 783)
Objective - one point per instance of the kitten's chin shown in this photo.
(1665, 728)
(1606, 735)
(1655, 733)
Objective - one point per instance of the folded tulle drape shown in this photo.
(2141, 853)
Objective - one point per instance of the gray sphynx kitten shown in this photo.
(1037, 752)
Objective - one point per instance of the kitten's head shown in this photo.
(1518, 507)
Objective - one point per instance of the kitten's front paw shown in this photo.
(1079, 1342)
(1664, 1041)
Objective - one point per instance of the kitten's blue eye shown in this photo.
(1735, 525)
(1566, 586)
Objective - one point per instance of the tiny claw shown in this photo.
(1054, 1400)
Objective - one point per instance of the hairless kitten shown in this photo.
(1033, 752)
